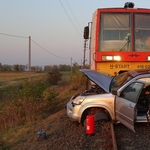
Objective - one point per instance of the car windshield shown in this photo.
(119, 80)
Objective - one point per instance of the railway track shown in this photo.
(125, 139)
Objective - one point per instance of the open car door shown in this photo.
(125, 104)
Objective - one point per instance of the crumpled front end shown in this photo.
(72, 110)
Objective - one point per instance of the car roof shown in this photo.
(137, 72)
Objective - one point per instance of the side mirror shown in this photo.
(86, 32)
(115, 92)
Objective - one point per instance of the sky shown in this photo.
(55, 26)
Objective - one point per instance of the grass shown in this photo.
(6, 76)
(25, 104)
(11, 78)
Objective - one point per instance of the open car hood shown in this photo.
(98, 78)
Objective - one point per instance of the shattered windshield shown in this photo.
(119, 80)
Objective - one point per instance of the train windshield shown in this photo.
(115, 32)
(142, 32)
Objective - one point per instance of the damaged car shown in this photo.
(123, 98)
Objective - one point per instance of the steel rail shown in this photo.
(113, 137)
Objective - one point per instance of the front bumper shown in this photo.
(73, 111)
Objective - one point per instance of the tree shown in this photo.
(36, 69)
(64, 68)
(47, 68)
(54, 75)
(75, 68)
(22, 68)
(1, 67)
(16, 68)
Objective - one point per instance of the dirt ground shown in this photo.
(63, 134)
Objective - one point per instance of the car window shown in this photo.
(146, 90)
(147, 80)
(132, 92)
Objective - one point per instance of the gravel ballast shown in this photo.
(63, 134)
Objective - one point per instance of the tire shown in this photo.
(98, 116)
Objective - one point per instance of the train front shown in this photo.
(120, 39)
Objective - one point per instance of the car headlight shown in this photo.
(78, 100)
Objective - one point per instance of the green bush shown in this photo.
(50, 95)
(54, 75)
(77, 77)
(33, 90)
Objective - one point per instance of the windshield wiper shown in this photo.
(124, 46)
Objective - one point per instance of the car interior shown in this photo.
(144, 102)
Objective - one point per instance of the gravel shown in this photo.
(63, 134)
(129, 140)
(73, 136)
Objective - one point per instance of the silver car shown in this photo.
(124, 98)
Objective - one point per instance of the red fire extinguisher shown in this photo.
(90, 124)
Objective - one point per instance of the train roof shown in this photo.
(140, 10)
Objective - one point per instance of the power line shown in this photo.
(13, 35)
(48, 51)
(16, 36)
(75, 61)
(74, 16)
(52, 53)
(70, 18)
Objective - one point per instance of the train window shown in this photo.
(115, 32)
(142, 32)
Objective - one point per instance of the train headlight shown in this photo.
(148, 58)
(111, 58)
(117, 58)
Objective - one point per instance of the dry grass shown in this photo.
(19, 115)
(6, 76)
(30, 116)
(15, 78)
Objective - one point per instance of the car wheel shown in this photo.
(99, 115)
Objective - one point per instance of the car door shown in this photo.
(125, 104)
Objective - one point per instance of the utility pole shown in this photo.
(71, 64)
(29, 58)
(84, 54)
